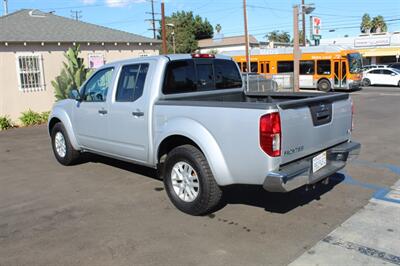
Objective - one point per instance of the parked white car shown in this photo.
(381, 76)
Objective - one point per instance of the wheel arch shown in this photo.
(57, 116)
(203, 140)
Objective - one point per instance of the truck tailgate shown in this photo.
(314, 124)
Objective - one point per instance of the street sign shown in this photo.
(316, 28)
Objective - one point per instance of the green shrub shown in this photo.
(30, 118)
(5, 122)
(44, 117)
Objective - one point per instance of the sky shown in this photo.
(339, 17)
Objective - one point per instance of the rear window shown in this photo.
(190, 75)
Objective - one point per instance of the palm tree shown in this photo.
(379, 24)
(278, 36)
(366, 24)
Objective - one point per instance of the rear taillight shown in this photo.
(270, 134)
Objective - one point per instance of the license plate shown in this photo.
(319, 161)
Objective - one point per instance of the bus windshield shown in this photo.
(355, 63)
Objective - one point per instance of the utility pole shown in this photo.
(163, 32)
(246, 37)
(5, 6)
(153, 19)
(76, 14)
(296, 49)
(303, 21)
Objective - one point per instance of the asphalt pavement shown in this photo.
(108, 212)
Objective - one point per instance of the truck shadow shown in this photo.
(251, 195)
(127, 166)
(277, 202)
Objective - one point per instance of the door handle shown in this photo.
(138, 113)
(102, 111)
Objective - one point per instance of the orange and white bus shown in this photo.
(321, 67)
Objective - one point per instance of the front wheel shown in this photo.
(189, 182)
(62, 148)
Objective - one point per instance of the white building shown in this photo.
(225, 44)
(376, 48)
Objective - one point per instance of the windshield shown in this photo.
(355, 63)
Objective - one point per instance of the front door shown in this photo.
(339, 74)
(128, 116)
(90, 115)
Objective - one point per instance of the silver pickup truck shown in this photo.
(189, 117)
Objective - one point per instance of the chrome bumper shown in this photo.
(299, 173)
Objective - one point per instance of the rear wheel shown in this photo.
(366, 82)
(324, 85)
(62, 148)
(189, 182)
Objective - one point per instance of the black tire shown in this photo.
(398, 84)
(209, 193)
(324, 85)
(71, 155)
(366, 82)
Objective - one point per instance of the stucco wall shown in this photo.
(14, 101)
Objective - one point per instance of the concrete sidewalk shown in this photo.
(369, 237)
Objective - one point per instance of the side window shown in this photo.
(254, 67)
(131, 82)
(387, 72)
(376, 71)
(285, 66)
(97, 87)
(180, 77)
(324, 67)
(306, 67)
(226, 75)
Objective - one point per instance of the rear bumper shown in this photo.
(299, 173)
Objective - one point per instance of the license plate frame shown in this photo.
(318, 162)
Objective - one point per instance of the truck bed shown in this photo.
(258, 100)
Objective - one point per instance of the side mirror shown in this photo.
(75, 95)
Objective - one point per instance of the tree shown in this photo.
(278, 36)
(188, 29)
(366, 23)
(72, 76)
(378, 24)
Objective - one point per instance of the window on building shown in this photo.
(30, 72)
(285, 66)
(324, 67)
(131, 82)
(306, 67)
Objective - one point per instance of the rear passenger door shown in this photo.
(128, 115)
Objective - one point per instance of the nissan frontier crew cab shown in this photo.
(189, 117)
